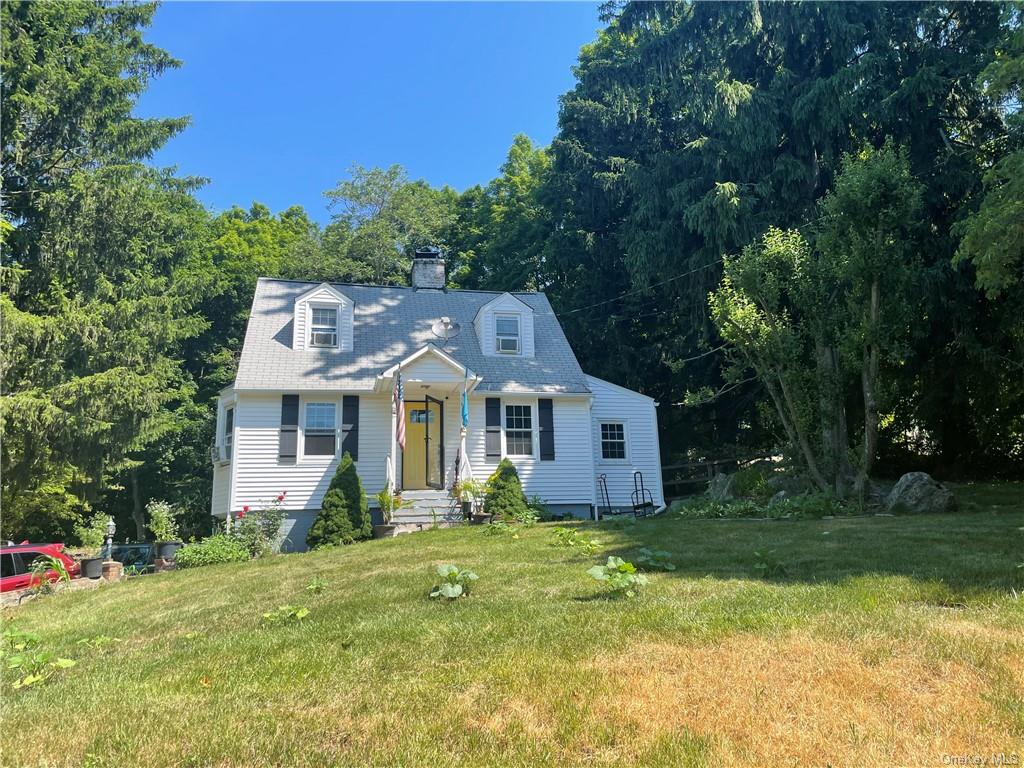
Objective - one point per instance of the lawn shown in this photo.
(869, 641)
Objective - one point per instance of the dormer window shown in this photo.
(506, 334)
(323, 330)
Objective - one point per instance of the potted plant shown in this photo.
(469, 492)
(92, 536)
(163, 524)
(388, 503)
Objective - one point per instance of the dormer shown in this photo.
(504, 327)
(323, 320)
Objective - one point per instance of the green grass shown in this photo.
(870, 640)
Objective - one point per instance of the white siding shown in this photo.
(431, 369)
(569, 479)
(221, 489)
(505, 304)
(260, 476)
(640, 416)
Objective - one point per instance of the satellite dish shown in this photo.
(446, 329)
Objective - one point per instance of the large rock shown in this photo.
(720, 487)
(917, 493)
(791, 483)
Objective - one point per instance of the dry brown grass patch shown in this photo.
(805, 701)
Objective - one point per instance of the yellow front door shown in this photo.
(414, 457)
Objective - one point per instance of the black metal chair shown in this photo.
(643, 501)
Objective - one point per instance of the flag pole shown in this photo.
(394, 435)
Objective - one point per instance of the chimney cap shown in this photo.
(427, 252)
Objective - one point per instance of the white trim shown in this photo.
(599, 454)
(338, 295)
(518, 317)
(311, 306)
(300, 452)
(534, 430)
(428, 348)
(498, 298)
(621, 388)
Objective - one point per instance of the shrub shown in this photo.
(219, 548)
(540, 508)
(505, 499)
(259, 529)
(752, 482)
(804, 506)
(344, 516)
(93, 534)
(619, 576)
(454, 584)
(163, 520)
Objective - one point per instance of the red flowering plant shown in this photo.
(260, 529)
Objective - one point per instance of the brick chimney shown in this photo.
(427, 268)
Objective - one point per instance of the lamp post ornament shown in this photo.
(111, 529)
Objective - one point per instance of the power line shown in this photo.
(645, 289)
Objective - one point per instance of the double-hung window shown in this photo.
(518, 430)
(229, 432)
(324, 327)
(613, 440)
(506, 334)
(321, 430)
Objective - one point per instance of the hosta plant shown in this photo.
(619, 576)
(286, 614)
(455, 582)
(572, 538)
(317, 585)
(657, 559)
(26, 662)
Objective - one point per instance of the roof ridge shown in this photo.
(397, 287)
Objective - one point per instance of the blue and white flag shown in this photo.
(465, 399)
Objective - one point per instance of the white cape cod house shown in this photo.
(317, 378)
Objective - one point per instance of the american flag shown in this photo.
(400, 409)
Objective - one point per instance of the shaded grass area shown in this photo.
(890, 640)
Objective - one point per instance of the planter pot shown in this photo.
(92, 567)
(384, 531)
(467, 509)
(480, 519)
(167, 550)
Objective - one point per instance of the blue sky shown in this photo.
(284, 97)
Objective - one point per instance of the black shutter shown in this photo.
(288, 446)
(350, 426)
(493, 434)
(547, 429)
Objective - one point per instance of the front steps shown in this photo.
(428, 508)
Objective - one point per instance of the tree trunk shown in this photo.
(138, 514)
(802, 442)
(832, 412)
(869, 382)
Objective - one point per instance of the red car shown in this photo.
(16, 564)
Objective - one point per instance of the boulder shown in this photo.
(720, 487)
(918, 493)
(779, 497)
(791, 483)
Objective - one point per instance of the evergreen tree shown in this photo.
(505, 499)
(102, 268)
(344, 516)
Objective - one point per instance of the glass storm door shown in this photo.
(434, 440)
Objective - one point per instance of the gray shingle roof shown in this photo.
(391, 324)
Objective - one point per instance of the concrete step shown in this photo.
(442, 518)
